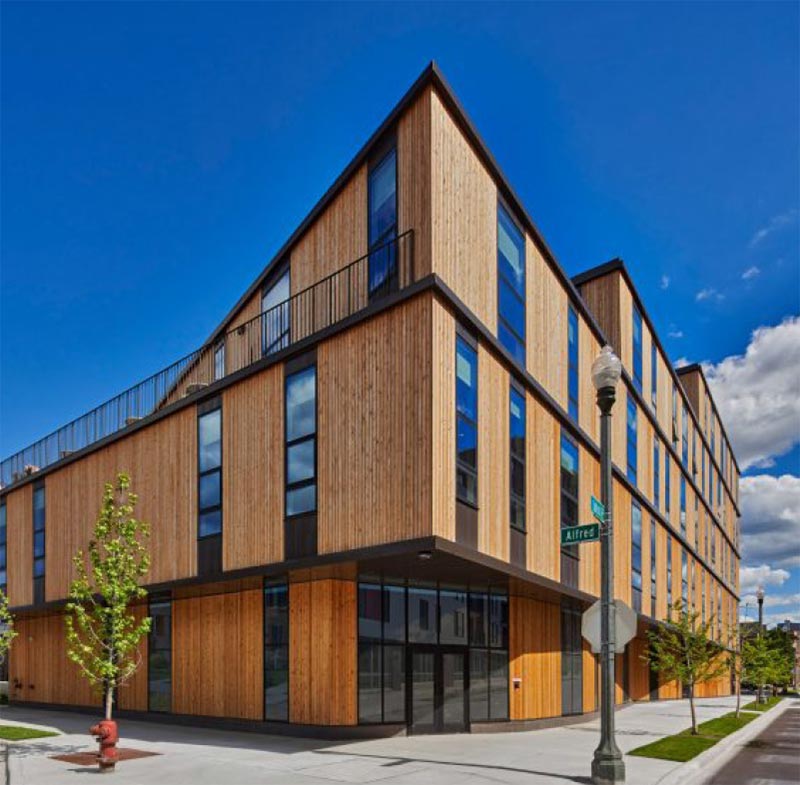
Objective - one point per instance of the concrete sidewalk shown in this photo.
(200, 756)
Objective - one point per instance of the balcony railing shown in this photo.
(382, 272)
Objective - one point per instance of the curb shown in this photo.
(701, 768)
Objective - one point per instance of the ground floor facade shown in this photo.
(408, 646)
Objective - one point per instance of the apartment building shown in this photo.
(357, 486)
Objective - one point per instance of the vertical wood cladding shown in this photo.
(602, 296)
(323, 652)
(217, 655)
(591, 679)
(535, 658)
(588, 413)
(464, 218)
(161, 462)
(589, 479)
(639, 670)
(19, 544)
(374, 406)
(252, 467)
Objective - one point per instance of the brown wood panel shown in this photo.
(661, 571)
(535, 658)
(493, 457)
(619, 434)
(588, 349)
(464, 218)
(374, 404)
(625, 317)
(19, 540)
(217, 655)
(589, 479)
(622, 543)
(161, 462)
(591, 674)
(323, 652)
(252, 470)
(602, 296)
(639, 670)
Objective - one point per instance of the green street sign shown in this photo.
(572, 535)
(598, 510)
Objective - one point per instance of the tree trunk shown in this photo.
(738, 695)
(109, 700)
(691, 706)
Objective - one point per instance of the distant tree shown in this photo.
(782, 659)
(102, 630)
(682, 649)
(7, 631)
(735, 662)
(756, 661)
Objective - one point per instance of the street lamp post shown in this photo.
(760, 598)
(607, 764)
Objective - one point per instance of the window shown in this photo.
(382, 188)
(683, 505)
(517, 441)
(276, 651)
(674, 417)
(653, 375)
(570, 554)
(637, 349)
(696, 523)
(209, 473)
(511, 285)
(669, 572)
(573, 384)
(631, 434)
(653, 568)
(667, 489)
(703, 470)
(159, 656)
(713, 448)
(275, 314)
(703, 597)
(301, 442)
(684, 578)
(219, 360)
(466, 422)
(685, 438)
(38, 542)
(692, 584)
(694, 453)
(656, 474)
(3, 544)
(636, 557)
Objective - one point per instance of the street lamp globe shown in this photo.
(760, 594)
(606, 369)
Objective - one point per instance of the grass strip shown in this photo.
(768, 704)
(684, 746)
(20, 733)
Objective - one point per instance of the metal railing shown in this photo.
(378, 274)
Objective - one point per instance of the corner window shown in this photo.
(573, 383)
(466, 422)
(382, 210)
(570, 554)
(654, 375)
(301, 442)
(209, 473)
(517, 443)
(636, 557)
(275, 315)
(276, 651)
(637, 349)
(511, 285)
(159, 657)
(631, 439)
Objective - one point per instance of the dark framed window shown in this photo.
(684, 578)
(382, 225)
(276, 314)
(209, 473)
(219, 360)
(159, 656)
(573, 384)
(653, 567)
(570, 554)
(510, 285)
(3, 547)
(301, 442)
(684, 438)
(38, 531)
(466, 422)
(669, 572)
(517, 443)
(636, 557)
(656, 474)
(631, 432)
(683, 505)
(674, 417)
(276, 651)
(654, 375)
(637, 349)
(667, 488)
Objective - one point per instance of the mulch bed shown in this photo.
(89, 758)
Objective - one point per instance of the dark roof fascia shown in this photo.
(618, 265)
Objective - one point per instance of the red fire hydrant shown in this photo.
(107, 738)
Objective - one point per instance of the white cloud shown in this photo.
(750, 578)
(664, 283)
(709, 293)
(773, 225)
(758, 394)
(771, 600)
(681, 362)
(675, 333)
(770, 528)
(751, 272)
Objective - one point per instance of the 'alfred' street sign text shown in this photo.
(572, 535)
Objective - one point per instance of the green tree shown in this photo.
(756, 661)
(682, 649)
(7, 631)
(735, 662)
(102, 631)
(782, 659)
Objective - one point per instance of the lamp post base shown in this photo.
(608, 769)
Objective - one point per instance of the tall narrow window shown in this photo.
(570, 555)
(656, 474)
(3, 543)
(636, 556)
(511, 285)
(684, 578)
(466, 422)
(667, 489)
(669, 572)
(209, 471)
(685, 438)
(653, 568)
(674, 417)
(694, 453)
(713, 447)
(653, 375)
(276, 651)
(301, 442)
(159, 656)
(683, 505)
(275, 315)
(703, 597)
(631, 434)
(637, 349)
(573, 383)
(38, 542)
(219, 360)
(382, 210)
(517, 441)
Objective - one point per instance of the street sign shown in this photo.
(598, 510)
(572, 535)
(624, 626)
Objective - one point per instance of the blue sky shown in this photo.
(155, 156)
